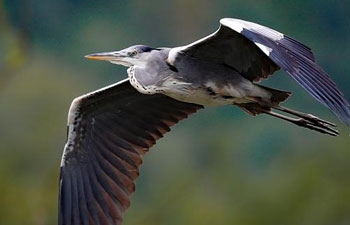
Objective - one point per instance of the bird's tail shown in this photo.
(277, 96)
(258, 106)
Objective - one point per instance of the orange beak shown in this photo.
(108, 56)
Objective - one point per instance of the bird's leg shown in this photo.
(303, 119)
(305, 116)
(312, 124)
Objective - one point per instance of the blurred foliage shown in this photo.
(219, 167)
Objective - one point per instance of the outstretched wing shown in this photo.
(109, 131)
(256, 51)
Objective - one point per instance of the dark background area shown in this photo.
(221, 166)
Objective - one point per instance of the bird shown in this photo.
(109, 130)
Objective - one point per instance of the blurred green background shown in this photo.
(219, 167)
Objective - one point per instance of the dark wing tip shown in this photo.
(298, 47)
(342, 111)
(315, 81)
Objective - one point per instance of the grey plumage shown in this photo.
(110, 129)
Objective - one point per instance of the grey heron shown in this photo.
(109, 130)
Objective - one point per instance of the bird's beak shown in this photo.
(118, 57)
(108, 56)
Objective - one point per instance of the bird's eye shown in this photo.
(133, 53)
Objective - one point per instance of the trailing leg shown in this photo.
(303, 119)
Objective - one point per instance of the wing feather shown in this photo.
(83, 210)
(65, 210)
(109, 131)
(89, 196)
(75, 198)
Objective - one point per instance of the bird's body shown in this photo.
(111, 128)
(193, 81)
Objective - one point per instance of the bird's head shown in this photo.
(134, 55)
